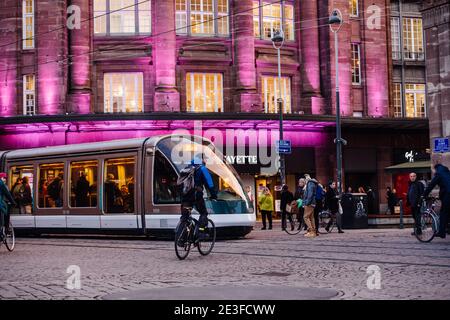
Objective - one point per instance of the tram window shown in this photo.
(51, 185)
(21, 186)
(119, 184)
(83, 183)
(165, 181)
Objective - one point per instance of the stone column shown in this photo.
(51, 48)
(308, 31)
(167, 97)
(247, 100)
(80, 68)
(436, 23)
(9, 78)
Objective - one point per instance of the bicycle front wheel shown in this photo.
(182, 240)
(206, 244)
(294, 223)
(10, 239)
(427, 228)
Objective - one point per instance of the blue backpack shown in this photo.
(319, 193)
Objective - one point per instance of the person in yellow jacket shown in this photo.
(266, 206)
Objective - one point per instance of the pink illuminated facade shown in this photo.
(157, 66)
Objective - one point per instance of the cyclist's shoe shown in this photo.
(441, 235)
(202, 234)
(327, 229)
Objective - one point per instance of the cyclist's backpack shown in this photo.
(186, 180)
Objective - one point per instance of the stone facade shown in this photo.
(436, 14)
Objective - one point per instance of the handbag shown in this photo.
(288, 208)
(340, 210)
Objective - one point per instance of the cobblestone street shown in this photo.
(37, 269)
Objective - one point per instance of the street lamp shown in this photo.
(278, 41)
(335, 21)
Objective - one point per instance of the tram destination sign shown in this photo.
(441, 145)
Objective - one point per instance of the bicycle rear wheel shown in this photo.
(428, 228)
(294, 223)
(182, 240)
(206, 244)
(10, 239)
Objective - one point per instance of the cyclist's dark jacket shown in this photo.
(5, 195)
(415, 191)
(442, 179)
(331, 202)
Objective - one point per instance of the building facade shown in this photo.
(91, 70)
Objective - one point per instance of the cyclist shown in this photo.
(194, 197)
(5, 195)
(441, 179)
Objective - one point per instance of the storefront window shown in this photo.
(270, 17)
(413, 39)
(415, 100)
(51, 185)
(122, 17)
(204, 92)
(21, 186)
(271, 92)
(119, 182)
(28, 24)
(123, 92)
(29, 95)
(83, 184)
(165, 182)
(206, 17)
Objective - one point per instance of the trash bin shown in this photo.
(354, 206)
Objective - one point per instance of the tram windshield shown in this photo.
(181, 151)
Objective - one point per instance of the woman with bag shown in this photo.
(286, 206)
(332, 204)
(266, 205)
(27, 200)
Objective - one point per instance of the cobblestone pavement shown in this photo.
(37, 269)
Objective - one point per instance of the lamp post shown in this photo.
(335, 21)
(277, 42)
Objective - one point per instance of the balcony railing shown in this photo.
(413, 56)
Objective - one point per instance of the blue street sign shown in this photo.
(284, 147)
(441, 145)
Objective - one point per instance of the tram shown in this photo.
(119, 187)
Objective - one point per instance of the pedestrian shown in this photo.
(251, 198)
(370, 201)
(298, 196)
(415, 192)
(266, 205)
(17, 193)
(54, 190)
(5, 196)
(349, 190)
(320, 195)
(286, 206)
(442, 179)
(391, 200)
(27, 200)
(82, 191)
(332, 204)
(309, 202)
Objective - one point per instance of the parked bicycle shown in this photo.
(429, 221)
(7, 237)
(189, 236)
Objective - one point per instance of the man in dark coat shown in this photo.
(81, 191)
(415, 192)
(332, 204)
(5, 196)
(441, 179)
(286, 199)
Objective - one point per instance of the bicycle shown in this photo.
(187, 237)
(325, 217)
(429, 221)
(295, 221)
(7, 237)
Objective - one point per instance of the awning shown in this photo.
(418, 167)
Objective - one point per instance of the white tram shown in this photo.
(119, 187)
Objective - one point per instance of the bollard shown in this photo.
(401, 213)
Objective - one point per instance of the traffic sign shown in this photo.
(441, 145)
(284, 147)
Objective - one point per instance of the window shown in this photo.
(354, 11)
(21, 186)
(165, 181)
(83, 184)
(28, 24)
(413, 39)
(29, 95)
(51, 185)
(395, 38)
(119, 185)
(398, 112)
(204, 92)
(356, 63)
(206, 17)
(122, 17)
(271, 92)
(268, 17)
(123, 92)
(415, 100)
